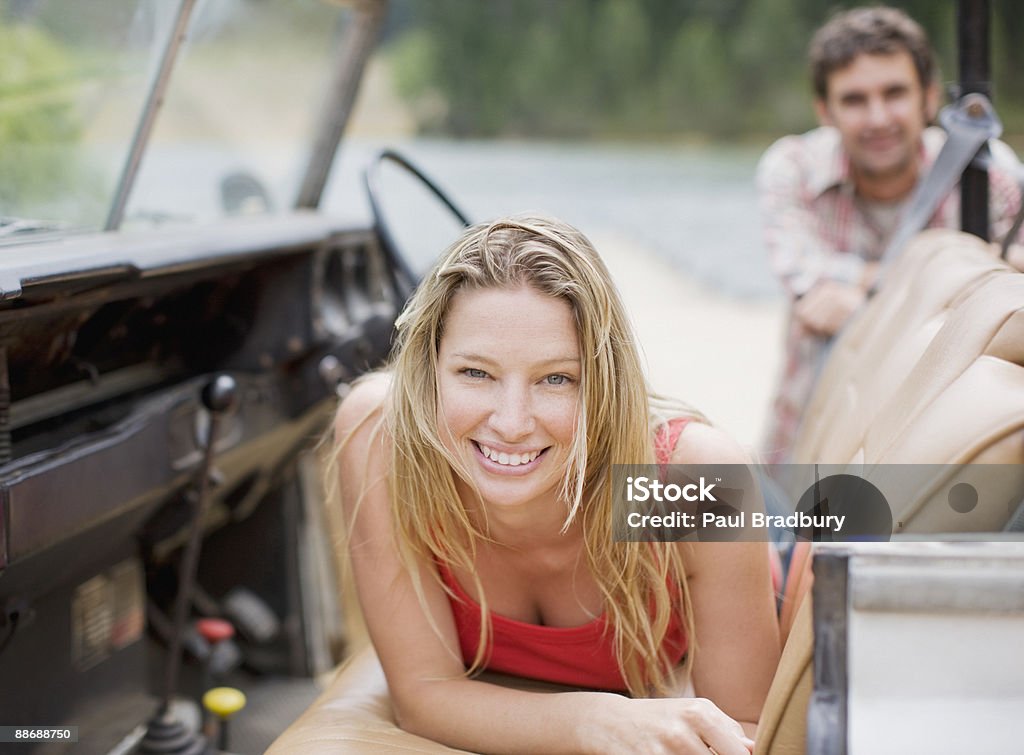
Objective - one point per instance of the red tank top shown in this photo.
(582, 656)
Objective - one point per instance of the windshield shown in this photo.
(236, 129)
(73, 77)
(232, 136)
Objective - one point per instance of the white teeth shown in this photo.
(509, 460)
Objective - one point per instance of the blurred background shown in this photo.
(712, 70)
(640, 121)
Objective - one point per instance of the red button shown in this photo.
(215, 630)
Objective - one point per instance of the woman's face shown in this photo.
(509, 382)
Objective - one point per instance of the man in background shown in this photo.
(830, 199)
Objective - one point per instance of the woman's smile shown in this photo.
(504, 462)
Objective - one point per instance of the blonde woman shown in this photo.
(476, 475)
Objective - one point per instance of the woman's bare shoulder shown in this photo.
(361, 455)
(700, 443)
(363, 405)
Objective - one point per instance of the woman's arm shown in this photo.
(424, 669)
(733, 600)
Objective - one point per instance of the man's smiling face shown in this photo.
(881, 109)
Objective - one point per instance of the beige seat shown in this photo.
(353, 715)
(783, 726)
(931, 374)
(934, 277)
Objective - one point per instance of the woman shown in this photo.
(476, 474)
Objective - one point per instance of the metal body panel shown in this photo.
(108, 257)
(917, 647)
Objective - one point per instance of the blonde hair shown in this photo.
(642, 584)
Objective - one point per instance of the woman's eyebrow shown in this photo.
(471, 357)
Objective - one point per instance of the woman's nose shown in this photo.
(512, 416)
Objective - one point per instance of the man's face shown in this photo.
(880, 109)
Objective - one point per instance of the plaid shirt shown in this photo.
(814, 229)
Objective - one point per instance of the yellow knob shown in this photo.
(224, 702)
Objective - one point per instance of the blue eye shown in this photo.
(474, 373)
(557, 379)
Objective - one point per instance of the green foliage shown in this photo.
(725, 68)
(37, 118)
(694, 82)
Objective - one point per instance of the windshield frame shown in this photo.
(353, 54)
(147, 119)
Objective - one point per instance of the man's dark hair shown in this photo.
(874, 31)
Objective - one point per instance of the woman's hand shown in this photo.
(684, 726)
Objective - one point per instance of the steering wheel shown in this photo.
(405, 277)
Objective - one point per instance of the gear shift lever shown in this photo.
(165, 733)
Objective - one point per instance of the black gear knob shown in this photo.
(220, 394)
